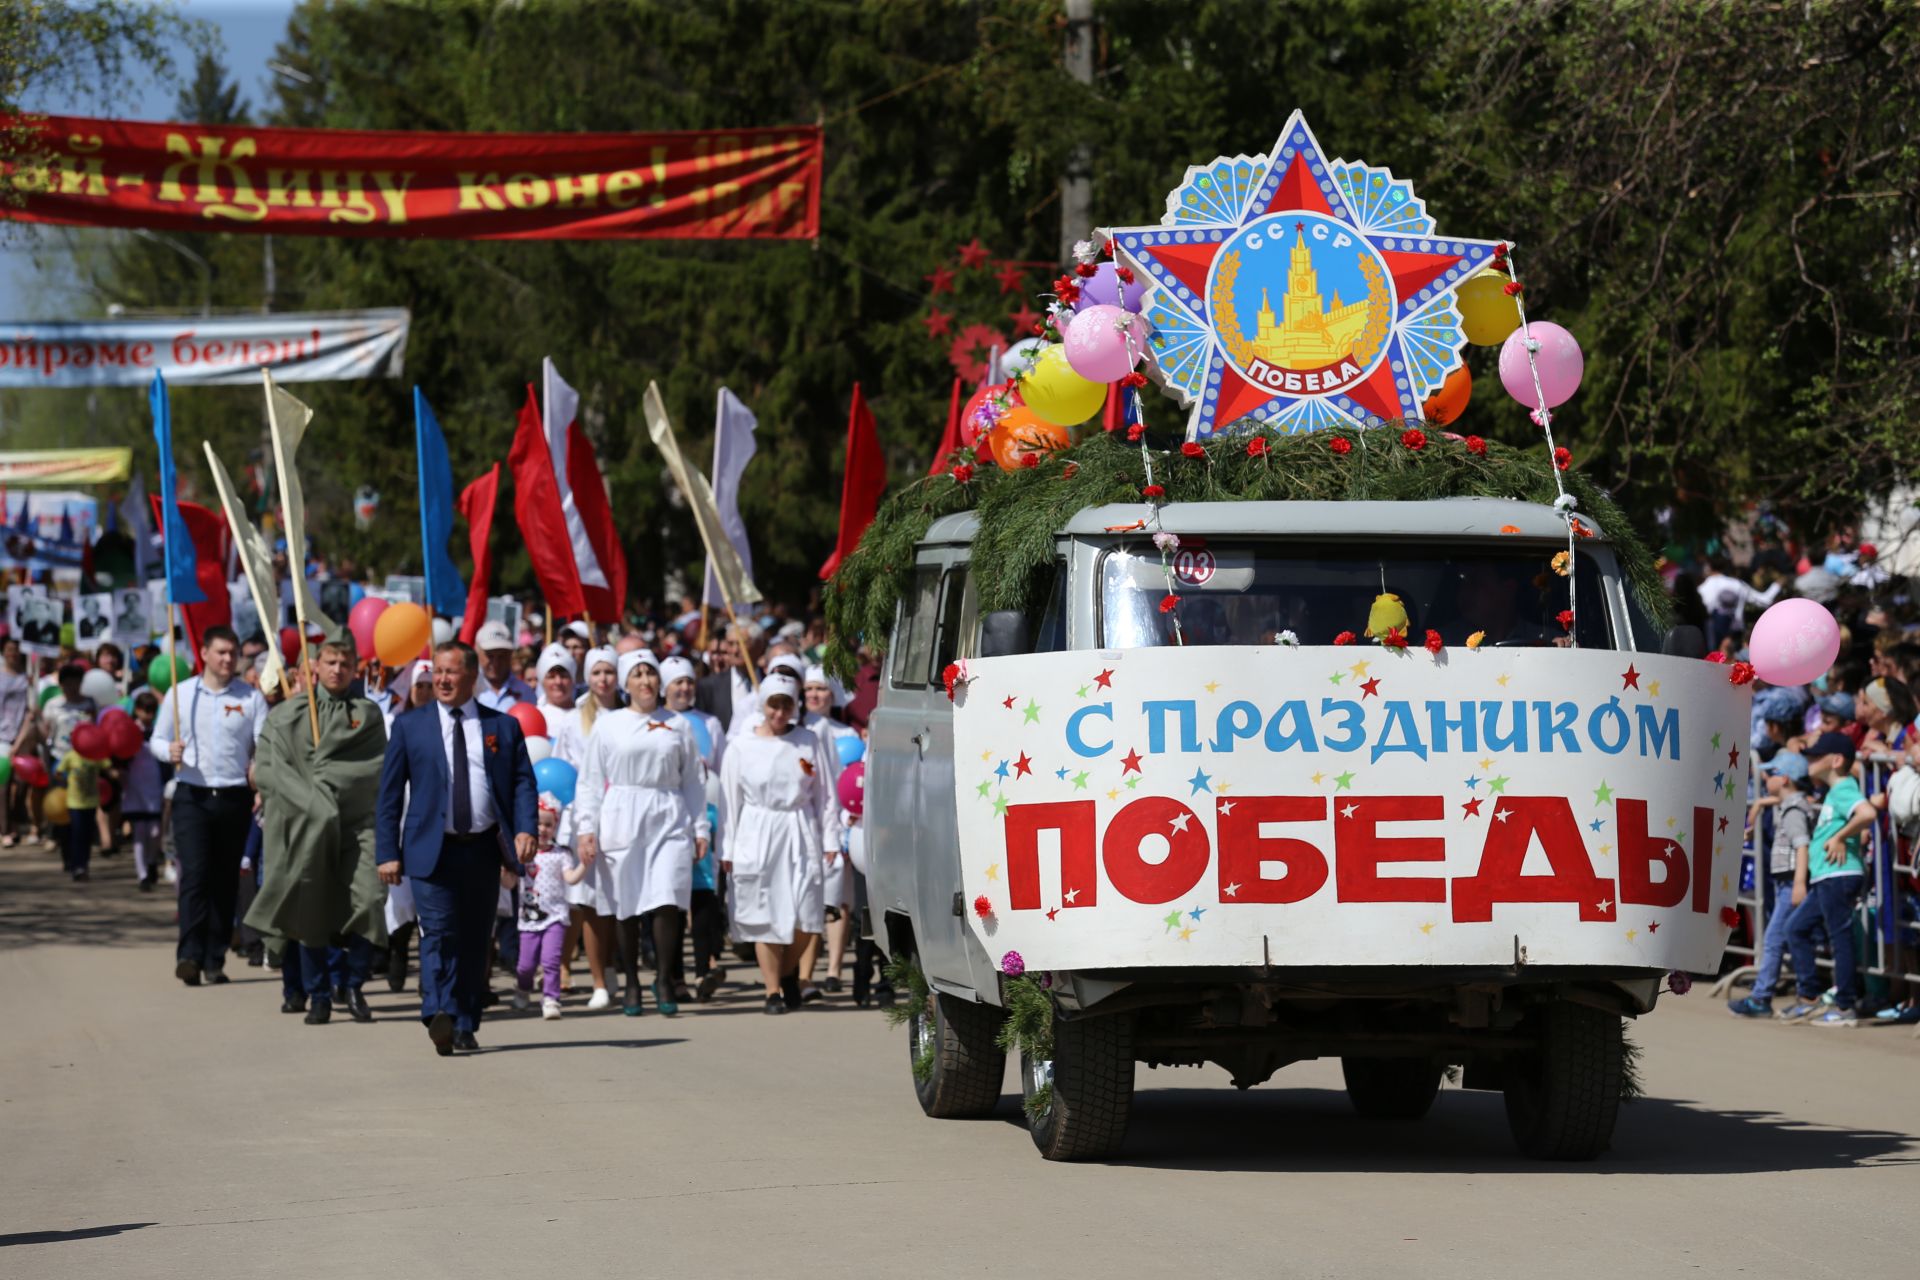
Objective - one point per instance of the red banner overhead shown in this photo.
(747, 184)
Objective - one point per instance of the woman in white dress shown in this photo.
(555, 673)
(592, 897)
(642, 803)
(707, 921)
(823, 695)
(780, 818)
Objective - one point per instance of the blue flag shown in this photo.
(446, 594)
(182, 586)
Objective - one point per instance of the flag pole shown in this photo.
(275, 667)
(296, 560)
(173, 663)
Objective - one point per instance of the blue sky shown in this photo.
(249, 29)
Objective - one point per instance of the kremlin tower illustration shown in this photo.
(1308, 337)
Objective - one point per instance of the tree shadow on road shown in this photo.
(488, 1051)
(1316, 1131)
(77, 1233)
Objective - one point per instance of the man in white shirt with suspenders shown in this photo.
(218, 720)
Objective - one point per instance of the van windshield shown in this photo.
(1241, 592)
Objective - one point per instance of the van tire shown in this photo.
(1092, 1070)
(968, 1068)
(1391, 1088)
(1563, 1098)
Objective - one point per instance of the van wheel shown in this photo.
(1078, 1101)
(1391, 1088)
(958, 1069)
(1563, 1098)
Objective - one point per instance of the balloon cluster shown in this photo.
(1490, 316)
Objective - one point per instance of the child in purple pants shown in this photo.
(544, 911)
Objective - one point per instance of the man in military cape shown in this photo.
(320, 891)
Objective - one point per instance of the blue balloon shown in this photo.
(851, 747)
(557, 777)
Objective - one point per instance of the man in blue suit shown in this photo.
(462, 774)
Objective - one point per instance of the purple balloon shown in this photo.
(1103, 289)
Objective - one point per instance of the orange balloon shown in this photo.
(401, 634)
(1021, 433)
(1450, 401)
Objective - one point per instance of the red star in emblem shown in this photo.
(941, 281)
(973, 254)
(1024, 319)
(1105, 679)
(1472, 807)
(1629, 679)
(1008, 703)
(1023, 766)
(939, 323)
(1012, 279)
(1130, 763)
(1371, 689)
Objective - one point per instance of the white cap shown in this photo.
(494, 635)
(628, 661)
(818, 675)
(675, 669)
(780, 683)
(555, 655)
(789, 663)
(579, 628)
(597, 656)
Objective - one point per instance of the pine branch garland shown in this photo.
(1021, 512)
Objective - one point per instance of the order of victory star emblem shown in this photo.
(1299, 291)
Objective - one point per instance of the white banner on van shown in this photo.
(1350, 806)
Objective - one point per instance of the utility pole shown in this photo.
(1076, 185)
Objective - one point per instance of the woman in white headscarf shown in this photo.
(555, 675)
(824, 696)
(592, 898)
(780, 820)
(642, 804)
(708, 921)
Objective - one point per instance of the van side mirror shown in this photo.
(1684, 642)
(1004, 633)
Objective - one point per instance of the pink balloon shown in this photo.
(852, 788)
(360, 622)
(1794, 642)
(1104, 343)
(1558, 359)
(1103, 289)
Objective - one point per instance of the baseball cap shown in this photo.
(1789, 764)
(1831, 744)
(1838, 704)
(1781, 705)
(493, 635)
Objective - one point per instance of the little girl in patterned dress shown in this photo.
(544, 911)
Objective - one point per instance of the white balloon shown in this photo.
(539, 748)
(442, 631)
(99, 686)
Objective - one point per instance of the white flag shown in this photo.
(733, 449)
(560, 405)
(256, 562)
(287, 418)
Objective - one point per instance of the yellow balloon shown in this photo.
(54, 808)
(1057, 394)
(401, 634)
(1487, 314)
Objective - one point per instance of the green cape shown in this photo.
(319, 880)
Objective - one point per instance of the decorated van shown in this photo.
(1316, 731)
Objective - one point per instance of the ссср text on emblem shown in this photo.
(1299, 291)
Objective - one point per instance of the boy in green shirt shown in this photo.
(83, 802)
(1832, 871)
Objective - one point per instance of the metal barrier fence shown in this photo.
(1888, 915)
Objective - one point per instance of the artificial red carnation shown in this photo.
(1340, 445)
(1345, 637)
(1565, 617)
(1434, 643)
(1135, 432)
(1169, 602)
(1394, 639)
(1192, 449)
(1563, 457)
(1414, 438)
(1257, 447)
(1134, 379)
(1740, 673)
(962, 472)
(1716, 657)
(1071, 470)
(1084, 270)
(1153, 491)
(1730, 917)
(1123, 274)
(982, 907)
(1476, 446)
(950, 676)
(1030, 460)
(1514, 288)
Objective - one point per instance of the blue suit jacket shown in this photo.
(416, 755)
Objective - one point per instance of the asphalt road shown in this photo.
(149, 1130)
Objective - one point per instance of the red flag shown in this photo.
(476, 507)
(208, 529)
(863, 481)
(536, 505)
(1114, 415)
(950, 438)
(608, 603)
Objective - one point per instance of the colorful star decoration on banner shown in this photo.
(1298, 290)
